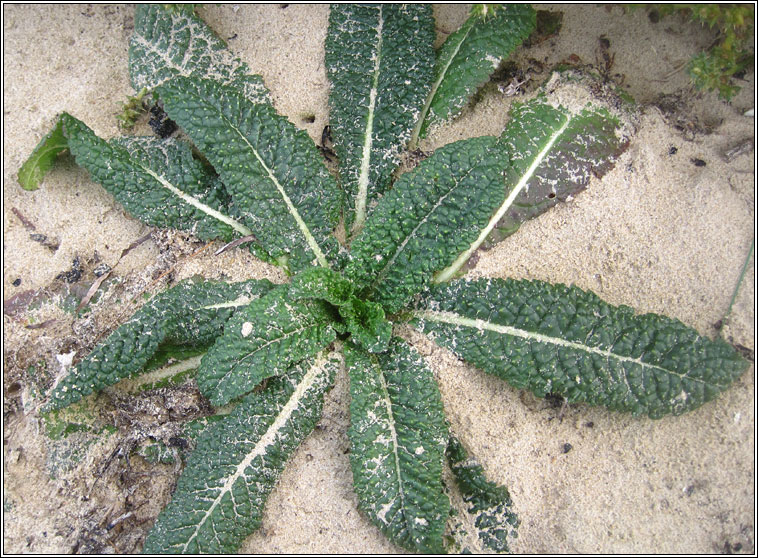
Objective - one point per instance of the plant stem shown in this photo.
(739, 283)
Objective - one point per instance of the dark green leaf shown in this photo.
(398, 436)
(378, 60)
(431, 215)
(485, 519)
(558, 339)
(274, 173)
(188, 314)
(471, 55)
(167, 43)
(220, 496)
(262, 340)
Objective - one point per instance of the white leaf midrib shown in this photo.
(194, 202)
(390, 262)
(448, 273)
(477, 323)
(387, 402)
(268, 438)
(213, 104)
(368, 140)
(162, 373)
(241, 300)
(304, 229)
(286, 335)
(301, 224)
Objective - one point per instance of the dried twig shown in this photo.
(234, 243)
(41, 324)
(99, 281)
(24, 221)
(740, 148)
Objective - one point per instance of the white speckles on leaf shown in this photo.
(395, 411)
(247, 329)
(65, 359)
(468, 57)
(168, 43)
(273, 172)
(553, 338)
(238, 461)
(369, 50)
(494, 60)
(188, 314)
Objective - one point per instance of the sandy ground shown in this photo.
(659, 233)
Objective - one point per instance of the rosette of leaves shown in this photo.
(270, 352)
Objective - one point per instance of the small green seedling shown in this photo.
(717, 68)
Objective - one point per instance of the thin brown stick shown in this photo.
(96, 285)
(234, 243)
(24, 221)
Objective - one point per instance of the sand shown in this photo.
(661, 233)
